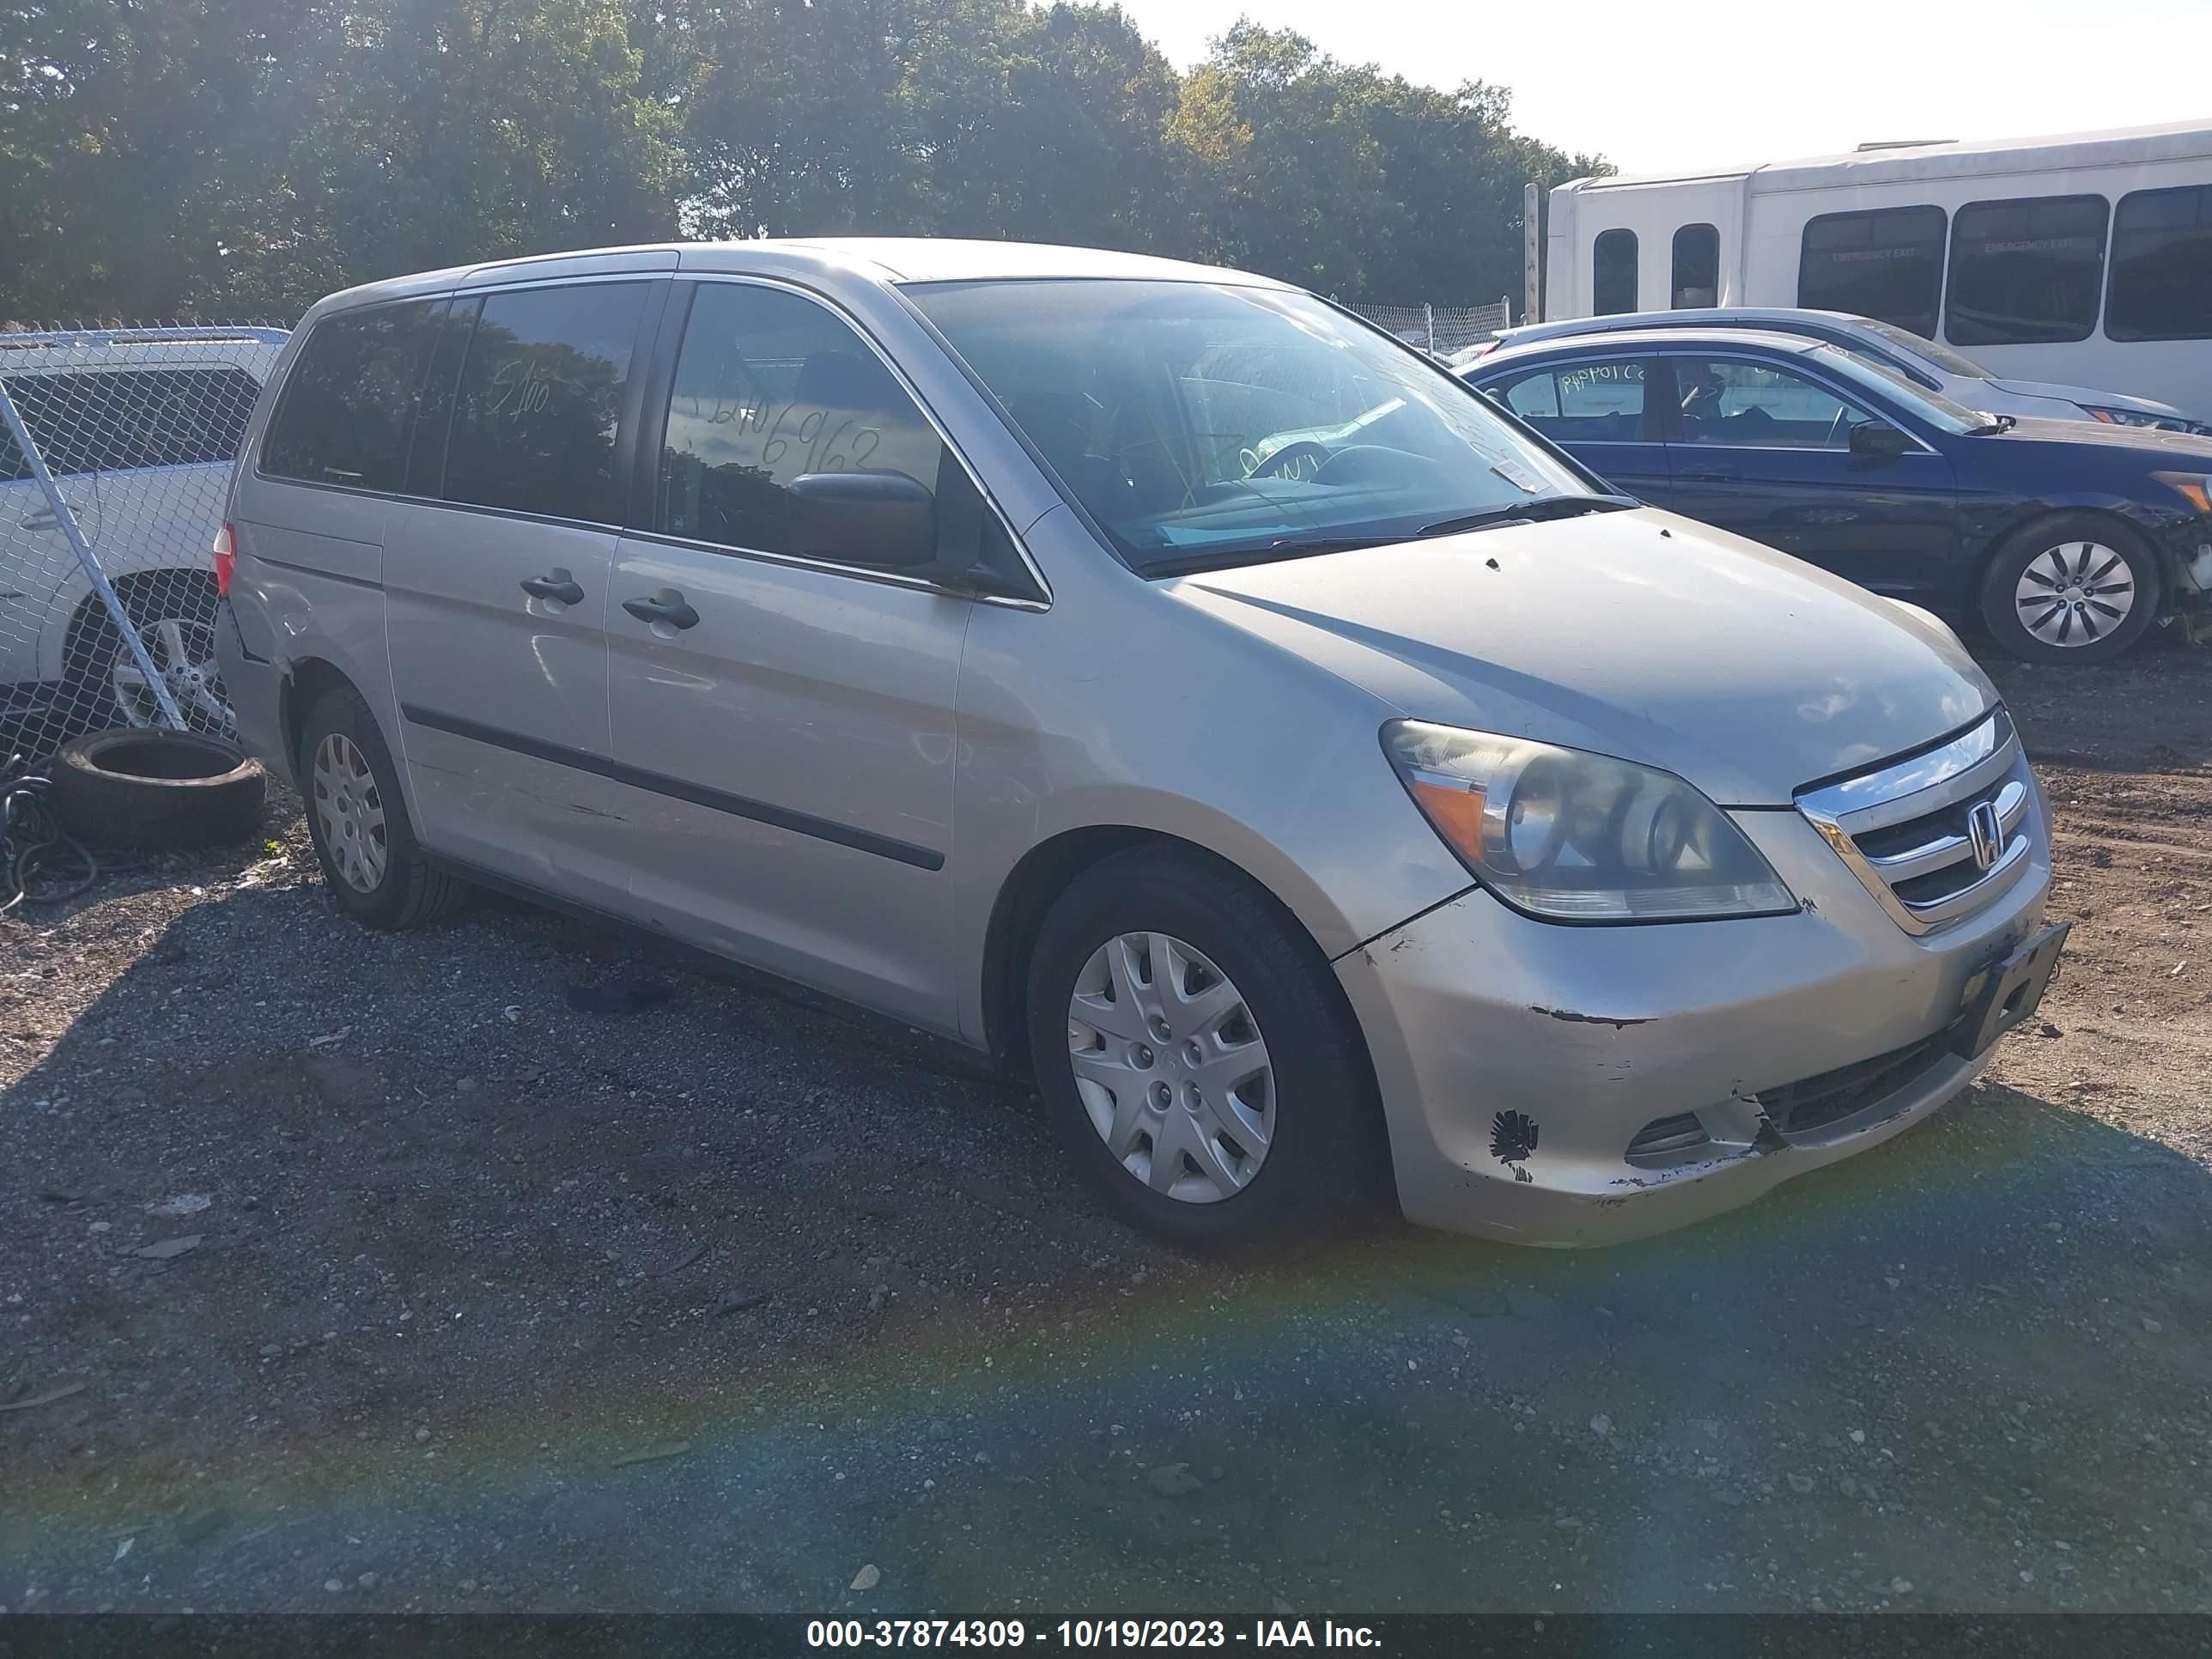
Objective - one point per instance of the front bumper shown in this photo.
(1520, 1060)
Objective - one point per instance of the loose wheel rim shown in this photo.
(183, 655)
(1170, 1067)
(2074, 594)
(350, 811)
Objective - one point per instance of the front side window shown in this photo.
(2026, 272)
(769, 387)
(538, 400)
(1886, 263)
(2161, 266)
(1613, 273)
(1208, 420)
(1696, 267)
(1728, 402)
(344, 414)
(1598, 402)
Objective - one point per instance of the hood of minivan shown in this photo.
(1637, 634)
(2088, 398)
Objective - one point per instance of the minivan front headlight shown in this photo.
(1572, 837)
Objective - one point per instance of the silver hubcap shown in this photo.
(349, 810)
(1170, 1067)
(2074, 594)
(184, 657)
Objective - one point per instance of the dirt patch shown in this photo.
(496, 1303)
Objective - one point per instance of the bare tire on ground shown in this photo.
(158, 789)
(357, 820)
(2074, 587)
(1198, 1057)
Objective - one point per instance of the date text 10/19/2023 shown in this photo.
(1086, 1633)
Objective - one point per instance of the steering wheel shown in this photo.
(1274, 465)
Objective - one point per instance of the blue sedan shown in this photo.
(2067, 539)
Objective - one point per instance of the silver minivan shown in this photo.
(1152, 676)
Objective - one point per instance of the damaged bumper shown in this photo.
(1568, 1086)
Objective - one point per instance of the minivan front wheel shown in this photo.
(356, 819)
(2077, 588)
(1197, 1057)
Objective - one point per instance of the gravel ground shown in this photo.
(346, 1271)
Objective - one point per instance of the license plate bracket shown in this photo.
(2009, 993)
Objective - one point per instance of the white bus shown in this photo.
(2084, 258)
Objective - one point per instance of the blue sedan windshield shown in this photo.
(1936, 410)
(1196, 419)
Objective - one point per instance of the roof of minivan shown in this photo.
(880, 258)
(947, 259)
(1942, 157)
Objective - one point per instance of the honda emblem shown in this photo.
(1986, 833)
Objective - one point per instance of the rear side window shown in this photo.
(1696, 267)
(1886, 264)
(1580, 403)
(115, 420)
(2026, 272)
(1613, 273)
(344, 416)
(771, 386)
(2161, 266)
(540, 396)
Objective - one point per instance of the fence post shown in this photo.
(57, 504)
(1430, 312)
(1532, 253)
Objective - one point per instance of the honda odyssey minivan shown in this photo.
(1152, 676)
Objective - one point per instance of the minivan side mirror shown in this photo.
(884, 520)
(1879, 440)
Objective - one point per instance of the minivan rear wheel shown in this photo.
(2075, 588)
(357, 820)
(1198, 1058)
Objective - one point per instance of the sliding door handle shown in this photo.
(666, 606)
(554, 587)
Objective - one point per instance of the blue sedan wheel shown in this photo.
(2075, 588)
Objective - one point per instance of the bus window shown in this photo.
(2161, 266)
(2026, 272)
(1697, 266)
(1886, 263)
(1613, 273)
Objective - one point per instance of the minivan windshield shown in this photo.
(1201, 423)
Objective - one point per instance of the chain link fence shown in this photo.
(1440, 329)
(116, 446)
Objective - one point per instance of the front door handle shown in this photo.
(1710, 476)
(666, 607)
(554, 587)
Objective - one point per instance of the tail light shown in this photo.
(225, 558)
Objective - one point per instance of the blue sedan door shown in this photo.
(1594, 408)
(1765, 450)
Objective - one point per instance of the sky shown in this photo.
(1655, 87)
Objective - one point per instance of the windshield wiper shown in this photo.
(1534, 512)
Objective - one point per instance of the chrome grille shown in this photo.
(1938, 836)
